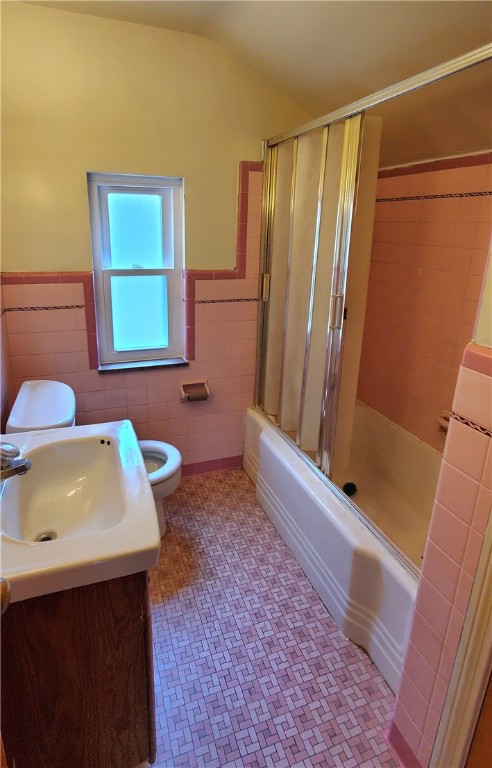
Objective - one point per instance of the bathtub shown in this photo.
(368, 591)
(396, 476)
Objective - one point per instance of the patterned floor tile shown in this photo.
(250, 669)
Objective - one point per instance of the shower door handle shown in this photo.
(336, 310)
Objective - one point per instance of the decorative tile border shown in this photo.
(225, 301)
(190, 277)
(53, 278)
(42, 309)
(472, 424)
(446, 196)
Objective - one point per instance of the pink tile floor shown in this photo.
(250, 669)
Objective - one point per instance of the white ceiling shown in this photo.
(324, 54)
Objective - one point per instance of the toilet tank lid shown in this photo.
(42, 404)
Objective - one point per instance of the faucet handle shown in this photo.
(8, 453)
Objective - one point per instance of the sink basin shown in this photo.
(83, 513)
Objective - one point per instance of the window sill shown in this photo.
(139, 364)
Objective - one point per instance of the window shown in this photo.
(137, 244)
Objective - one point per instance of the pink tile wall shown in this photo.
(459, 519)
(5, 371)
(427, 265)
(50, 328)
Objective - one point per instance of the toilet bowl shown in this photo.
(42, 404)
(163, 464)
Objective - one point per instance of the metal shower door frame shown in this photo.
(353, 115)
(334, 331)
(333, 368)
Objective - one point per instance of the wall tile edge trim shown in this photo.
(399, 746)
(239, 272)
(478, 358)
(465, 161)
(216, 465)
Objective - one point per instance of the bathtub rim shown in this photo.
(341, 496)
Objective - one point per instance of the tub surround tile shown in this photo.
(463, 592)
(457, 492)
(431, 725)
(472, 553)
(419, 672)
(460, 516)
(473, 397)
(425, 752)
(434, 607)
(425, 278)
(487, 468)
(426, 640)
(449, 531)
(412, 700)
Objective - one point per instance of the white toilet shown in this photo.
(44, 404)
(163, 464)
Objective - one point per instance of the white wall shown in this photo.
(81, 93)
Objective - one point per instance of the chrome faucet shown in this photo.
(10, 464)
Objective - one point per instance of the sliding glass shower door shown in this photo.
(312, 182)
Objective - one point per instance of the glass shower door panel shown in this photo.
(336, 323)
(298, 288)
(278, 254)
(314, 370)
(359, 261)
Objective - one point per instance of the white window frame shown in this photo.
(171, 191)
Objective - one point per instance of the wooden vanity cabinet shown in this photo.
(77, 678)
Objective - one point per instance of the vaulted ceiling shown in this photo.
(324, 54)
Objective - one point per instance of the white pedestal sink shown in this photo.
(83, 513)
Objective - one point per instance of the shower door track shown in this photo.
(414, 83)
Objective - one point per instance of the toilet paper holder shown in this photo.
(194, 391)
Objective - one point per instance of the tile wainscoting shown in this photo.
(50, 332)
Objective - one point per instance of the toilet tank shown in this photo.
(42, 405)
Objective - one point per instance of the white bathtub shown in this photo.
(396, 476)
(368, 591)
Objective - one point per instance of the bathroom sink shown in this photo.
(83, 513)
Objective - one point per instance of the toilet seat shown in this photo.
(159, 450)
